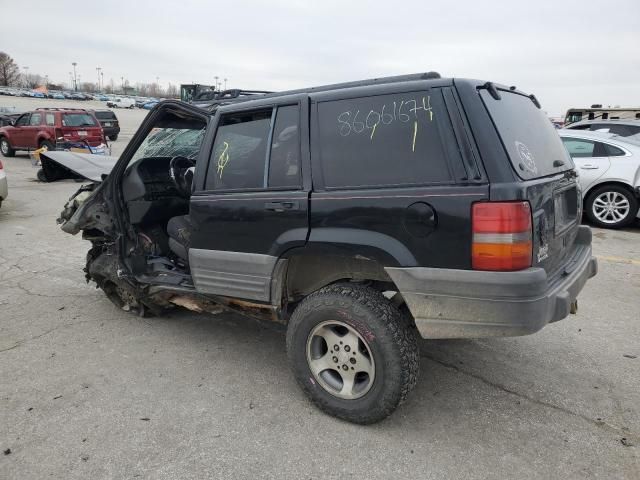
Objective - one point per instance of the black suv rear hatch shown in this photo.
(547, 174)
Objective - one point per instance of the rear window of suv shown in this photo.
(78, 120)
(105, 115)
(531, 140)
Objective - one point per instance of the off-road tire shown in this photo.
(617, 189)
(391, 337)
(5, 148)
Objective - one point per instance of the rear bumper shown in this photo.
(448, 303)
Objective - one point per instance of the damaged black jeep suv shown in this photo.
(362, 215)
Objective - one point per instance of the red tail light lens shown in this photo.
(502, 236)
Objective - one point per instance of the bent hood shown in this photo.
(85, 165)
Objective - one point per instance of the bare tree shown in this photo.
(33, 80)
(9, 71)
(172, 91)
(88, 87)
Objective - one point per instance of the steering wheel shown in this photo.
(181, 173)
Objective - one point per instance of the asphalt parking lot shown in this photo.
(89, 391)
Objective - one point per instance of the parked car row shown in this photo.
(113, 101)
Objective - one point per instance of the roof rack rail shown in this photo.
(62, 108)
(216, 96)
(245, 95)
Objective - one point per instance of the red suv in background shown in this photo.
(54, 128)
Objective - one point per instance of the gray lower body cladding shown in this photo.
(232, 274)
(473, 304)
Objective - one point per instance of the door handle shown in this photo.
(282, 206)
(589, 166)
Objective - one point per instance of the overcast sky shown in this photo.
(569, 53)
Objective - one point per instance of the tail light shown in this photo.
(502, 236)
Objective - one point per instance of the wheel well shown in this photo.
(616, 184)
(307, 273)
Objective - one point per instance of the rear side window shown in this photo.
(78, 120)
(284, 162)
(35, 120)
(240, 151)
(530, 140)
(382, 140)
(613, 151)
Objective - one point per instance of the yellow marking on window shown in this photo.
(415, 131)
(373, 130)
(223, 159)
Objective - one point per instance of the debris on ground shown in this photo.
(7, 451)
(627, 355)
(626, 442)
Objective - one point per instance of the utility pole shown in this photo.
(75, 78)
(98, 69)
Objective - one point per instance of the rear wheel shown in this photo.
(611, 206)
(353, 352)
(5, 148)
(113, 138)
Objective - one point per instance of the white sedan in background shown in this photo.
(609, 169)
(4, 187)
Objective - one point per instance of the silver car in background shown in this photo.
(609, 169)
(4, 187)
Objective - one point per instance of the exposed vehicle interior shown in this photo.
(155, 188)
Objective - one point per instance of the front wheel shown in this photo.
(353, 352)
(611, 206)
(5, 148)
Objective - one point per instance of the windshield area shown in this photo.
(530, 139)
(170, 142)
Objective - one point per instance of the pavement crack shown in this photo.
(43, 334)
(598, 423)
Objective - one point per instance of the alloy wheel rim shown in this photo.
(611, 207)
(340, 360)
(4, 146)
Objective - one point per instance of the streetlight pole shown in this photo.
(122, 78)
(78, 83)
(157, 86)
(102, 78)
(26, 74)
(216, 77)
(98, 69)
(75, 78)
(225, 83)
